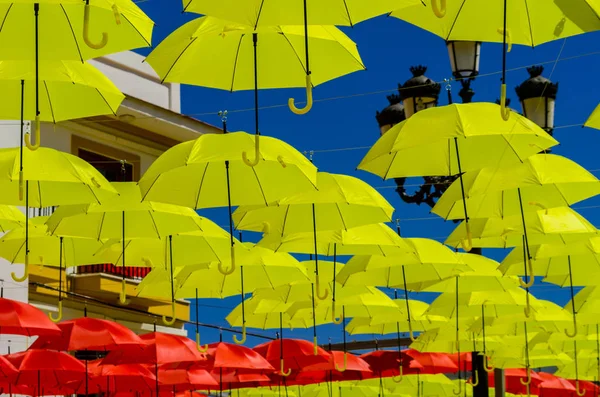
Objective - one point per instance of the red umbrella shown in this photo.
(236, 379)
(231, 356)
(466, 360)
(19, 318)
(159, 348)
(590, 388)
(431, 363)
(89, 334)
(297, 353)
(553, 386)
(355, 369)
(386, 363)
(514, 379)
(186, 379)
(47, 369)
(118, 378)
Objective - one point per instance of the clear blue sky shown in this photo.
(388, 48)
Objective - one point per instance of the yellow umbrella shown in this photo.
(594, 120)
(46, 249)
(123, 217)
(10, 218)
(246, 57)
(209, 172)
(53, 178)
(256, 14)
(453, 139)
(505, 21)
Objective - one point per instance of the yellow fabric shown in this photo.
(68, 90)
(319, 12)
(594, 120)
(544, 180)
(61, 21)
(55, 178)
(182, 56)
(268, 317)
(587, 305)
(376, 239)
(427, 263)
(192, 174)
(44, 249)
(559, 225)
(497, 303)
(10, 218)
(587, 369)
(341, 202)
(339, 389)
(425, 143)
(143, 219)
(529, 23)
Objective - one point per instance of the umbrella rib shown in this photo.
(512, 148)
(72, 32)
(200, 185)
(177, 59)
(287, 210)
(5, 16)
(49, 101)
(237, 53)
(260, 185)
(337, 206)
(385, 177)
(455, 20)
(295, 53)
(106, 102)
(136, 29)
(348, 14)
(529, 22)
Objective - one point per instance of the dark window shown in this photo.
(112, 169)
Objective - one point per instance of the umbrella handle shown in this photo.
(25, 271)
(315, 346)
(60, 313)
(123, 293)
(243, 340)
(165, 319)
(475, 381)
(400, 375)
(86, 31)
(504, 111)
(469, 245)
(528, 381)
(201, 349)
(232, 269)
(580, 393)
(318, 284)
(508, 39)
(410, 332)
(282, 370)
(309, 98)
(487, 369)
(281, 161)
(459, 391)
(528, 284)
(38, 129)
(574, 334)
(21, 185)
(334, 318)
(440, 11)
(117, 14)
(256, 153)
(342, 369)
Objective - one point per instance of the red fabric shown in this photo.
(432, 363)
(513, 379)
(553, 386)
(232, 356)
(297, 353)
(118, 378)
(591, 389)
(19, 318)
(108, 268)
(89, 334)
(386, 363)
(186, 379)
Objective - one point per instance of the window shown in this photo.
(108, 160)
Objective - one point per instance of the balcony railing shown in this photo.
(136, 273)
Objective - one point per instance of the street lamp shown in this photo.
(538, 96)
(419, 92)
(391, 115)
(464, 60)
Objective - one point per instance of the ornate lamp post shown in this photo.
(538, 96)
(419, 92)
(464, 60)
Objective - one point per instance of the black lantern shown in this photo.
(419, 92)
(464, 58)
(538, 95)
(391, 115)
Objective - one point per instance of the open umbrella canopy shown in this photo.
(185, 379)
(120, 378)
(19, 318)
(296, 353)
(341, 202)
(10, 218)
(541, 181)
(87, 333)
(430, 363)
(477, 130)
(350, 363)
(232, 356)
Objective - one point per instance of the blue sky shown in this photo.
(388, 48)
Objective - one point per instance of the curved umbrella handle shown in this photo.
(86, 31)
(282, 370)
(123, 293)
(232, 269)
(574, 334)
(528, 381)
(317, 285)
(334, 318)
(410, 332)
(315, 346)
(504, 111)
(475, 381)
(243, 340)
(459, 391)
(309, 99)
(508, 38)
(117, 14)
(487, 369)
(580, 393)
(60, 313)
(400, 375)
(256, 153)
(342, 369)
(468, 246)
(38, 129)
(166, 320)
(201, 349)
(25, 271)
(440, 11)
(528, 284)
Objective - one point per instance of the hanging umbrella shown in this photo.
(296, 355)
(123, 217)
(111, 379)
(503, 21)
(19, 318)
(430, 363)
(354, 368)
(463, 137)
(388, 363)
(10, 218)
(594, 120)
(180, 380)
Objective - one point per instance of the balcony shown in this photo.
(134, 273)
